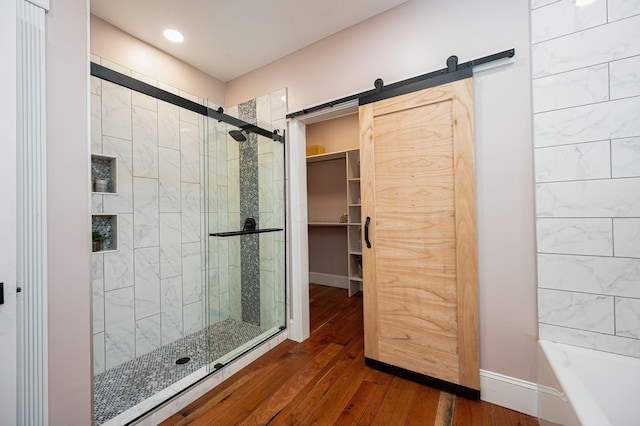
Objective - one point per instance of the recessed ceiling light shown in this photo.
(173, 35)
(584, 2)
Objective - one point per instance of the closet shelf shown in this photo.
(326, 156)
(334, 192)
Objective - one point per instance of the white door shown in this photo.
(8, 399)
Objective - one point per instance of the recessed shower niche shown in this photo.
(104, 230)
(104, 174)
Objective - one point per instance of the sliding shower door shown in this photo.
(171, 303)
(245, 220)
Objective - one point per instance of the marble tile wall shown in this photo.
(158, 285)
(586, 99)
(271, 189)
(149, 292)
(261, 258)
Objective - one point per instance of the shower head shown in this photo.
(237, 135)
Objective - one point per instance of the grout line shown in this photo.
(533, 78)
(613, 242)
(577, 217)
(584, 30)
(580, 329)
(611, 158)
(573, 143)
(615, 325)
(584, 105)
(589, 255)
(609, 81)
(576, 180)
(590, 180)
(582, 292)
(583, 217)
(543, 6)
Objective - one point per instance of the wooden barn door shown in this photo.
(420, 272)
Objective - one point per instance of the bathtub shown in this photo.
(581, 386)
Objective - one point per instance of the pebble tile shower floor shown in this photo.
(128, 384)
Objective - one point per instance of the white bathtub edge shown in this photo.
(510, 392)
(577, 395)
(553, 405)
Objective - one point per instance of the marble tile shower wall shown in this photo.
(149, 292)
(271, 201)
(586, 104)
(271, 194)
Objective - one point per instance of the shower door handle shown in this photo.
(366, 232)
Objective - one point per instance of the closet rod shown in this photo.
(123, 80)
(444, 75)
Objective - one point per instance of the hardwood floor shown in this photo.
(323, 380)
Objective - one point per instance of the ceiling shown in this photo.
(228, 38)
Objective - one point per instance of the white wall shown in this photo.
(117, 46)
(418, 37)
(412, 39)
(586, 87)
(69, 244)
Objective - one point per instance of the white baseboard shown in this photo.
(509, 392)
(554, 408)
(331, 280)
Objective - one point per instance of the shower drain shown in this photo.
(183, 360)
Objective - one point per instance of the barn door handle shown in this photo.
(366, 232)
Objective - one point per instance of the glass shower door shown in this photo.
(245, 216)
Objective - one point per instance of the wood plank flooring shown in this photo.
(323, 380)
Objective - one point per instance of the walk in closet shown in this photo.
(334, 204)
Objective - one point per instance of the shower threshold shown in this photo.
(128, 391)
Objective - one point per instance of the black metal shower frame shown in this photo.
(123, 80)
(107, 74)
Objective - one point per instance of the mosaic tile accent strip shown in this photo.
(104, 224)
(250, 278)
(101, 169)
(247, 112)
(128, 384)
(249, 207)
